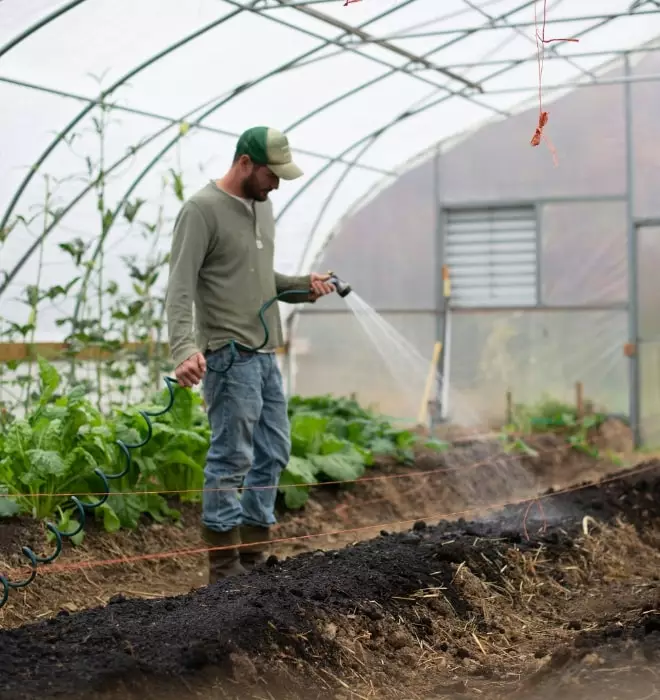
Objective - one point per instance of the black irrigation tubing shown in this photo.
(5, 584)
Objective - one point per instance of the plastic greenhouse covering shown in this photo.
(113, 112)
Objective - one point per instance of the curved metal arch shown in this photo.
(155, 58)
(368, 142)
(345, 32)
(292, 63)
(336, 100)
(26, 33)
(377, 79)
(253, 83)
(9, 277)
(86, 110)
(239, 8)
(374, 135)
(356, 161)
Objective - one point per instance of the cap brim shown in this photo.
(286, 171)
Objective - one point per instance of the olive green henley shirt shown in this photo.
(222, 260)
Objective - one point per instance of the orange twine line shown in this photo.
(63, 568)
(543, 115)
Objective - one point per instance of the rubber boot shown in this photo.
(223, 563)
(255, 547)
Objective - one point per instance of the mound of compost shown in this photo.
(618, 663)
(276, 609)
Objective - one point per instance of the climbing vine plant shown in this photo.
(112, 329)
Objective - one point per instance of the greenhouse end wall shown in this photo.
(578, 327)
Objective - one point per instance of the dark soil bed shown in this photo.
(467, 480)
(446, 601)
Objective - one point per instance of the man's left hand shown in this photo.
(320, 285)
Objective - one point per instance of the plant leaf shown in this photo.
(307, 431)
(111, 522)
(346, 466)
(44, 464)
(50, 380)
(295, 497)
(302, 470)
(437, 445)
(8, 507)
(179, 457)
(18, 439)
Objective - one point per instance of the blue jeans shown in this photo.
(250, 439)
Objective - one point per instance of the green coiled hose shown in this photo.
(82, 508)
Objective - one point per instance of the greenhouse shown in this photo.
(407, 118)
(456, 494)
(440, 481)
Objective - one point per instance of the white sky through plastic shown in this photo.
(371, 132)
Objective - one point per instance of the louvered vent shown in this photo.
(492, 257)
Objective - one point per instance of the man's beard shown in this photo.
(252, 191)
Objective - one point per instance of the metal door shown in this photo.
(648, 331)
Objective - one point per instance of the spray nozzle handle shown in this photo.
(342, 288)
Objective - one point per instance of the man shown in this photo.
(222, 260)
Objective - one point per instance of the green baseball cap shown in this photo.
(267, 146)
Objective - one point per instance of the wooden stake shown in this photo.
(579, 399)
(428, 388)
(509, 407)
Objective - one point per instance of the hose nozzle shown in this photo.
(342, 288)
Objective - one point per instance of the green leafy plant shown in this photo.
(318, 455)
(68, 523)
(512, 444)
(336, 439)
(552, 415)
(54, 450)
(360, 426)
(173, 459)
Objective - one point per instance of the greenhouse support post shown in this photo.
(439, 282)
(538, 214)
(633, 329)
(445, 355)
